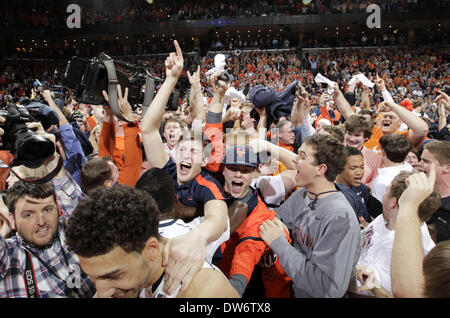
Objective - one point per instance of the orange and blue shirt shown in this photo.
(198, 191)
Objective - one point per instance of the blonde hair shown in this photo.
(92, 138)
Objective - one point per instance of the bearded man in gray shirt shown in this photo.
(325, 230)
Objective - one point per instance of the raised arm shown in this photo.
(365, 102)
(299, 108)
(288, 158)
(46, 94)
(342, 104)
(443, 97)
(153, 117)
(407, 253)
(219, 88)
(132, 162)
(75, 158)
(418, 127)
(442, 115)
(196, 96)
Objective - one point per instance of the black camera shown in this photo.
(30, 149)
(41, 86)
(88, 78)
(226, 76)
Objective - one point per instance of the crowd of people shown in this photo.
(316, 175)
(47, 14)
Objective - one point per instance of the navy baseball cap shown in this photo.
(241, 155)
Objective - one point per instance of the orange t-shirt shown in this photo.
(374, 142)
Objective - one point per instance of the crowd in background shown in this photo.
(47, 14)
(320, 171)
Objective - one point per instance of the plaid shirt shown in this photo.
(68, 192)
(12, 268)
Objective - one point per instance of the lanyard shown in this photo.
(312, 205)
(30, 276)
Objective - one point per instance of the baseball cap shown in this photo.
(241, 155)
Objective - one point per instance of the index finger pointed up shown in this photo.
(177, 48)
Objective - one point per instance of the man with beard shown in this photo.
(36, 262)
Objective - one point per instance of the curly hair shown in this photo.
(110, 217)
(159, 184)
(329, 152)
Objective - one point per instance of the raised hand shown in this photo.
(418, 187)
(443, 99)
(219, 86)
(194, 79)
(385, 106)
(174, 62)
(232, 113)
(124, 105)
(379, 82)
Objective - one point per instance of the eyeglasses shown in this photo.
(291, 131)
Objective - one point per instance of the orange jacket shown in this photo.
(132, 155)
(243, 251)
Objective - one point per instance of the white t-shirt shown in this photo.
(271, 187)
(175, 227)
(384, 178)
(376, 251)
(156, 290)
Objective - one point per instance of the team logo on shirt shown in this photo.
(367, 238)
(240, 152)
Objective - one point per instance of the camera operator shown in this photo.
(74, 156)
(67, 190)
(115, 166)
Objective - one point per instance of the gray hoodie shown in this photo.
(326, 244)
